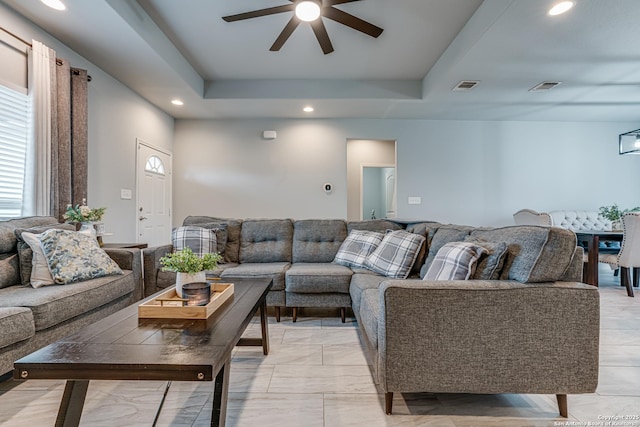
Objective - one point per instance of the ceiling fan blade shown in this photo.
(285, 34)
(258, 13)
(351, 21)
(321, 34)
(334, 2)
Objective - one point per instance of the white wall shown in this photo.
(476, 173)
(117, 116)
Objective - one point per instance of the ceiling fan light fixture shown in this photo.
(54, 4)
(561, 8)
(308, 109)
(308, 10)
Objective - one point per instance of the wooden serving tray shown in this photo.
(168, 305)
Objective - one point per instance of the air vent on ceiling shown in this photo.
(466, 85)
(544, 86)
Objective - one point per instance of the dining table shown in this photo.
(592, 239)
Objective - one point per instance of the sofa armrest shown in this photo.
(152, 265)
(130, 259)
(488, 337)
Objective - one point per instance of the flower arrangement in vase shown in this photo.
(84, 215)
(189, 266)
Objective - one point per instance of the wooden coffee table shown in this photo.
(123, 347)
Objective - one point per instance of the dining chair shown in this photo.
(531, 217)
(628, 258)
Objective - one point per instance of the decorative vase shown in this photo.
(184, 278)
(88, 229)
(616, 226)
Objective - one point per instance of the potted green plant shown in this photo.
(614, 214)
(189, 266)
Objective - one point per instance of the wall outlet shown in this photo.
(125, 194)
(415, 200)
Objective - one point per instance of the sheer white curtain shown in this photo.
(37, 191)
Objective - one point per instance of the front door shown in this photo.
(153, 194)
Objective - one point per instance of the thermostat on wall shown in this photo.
(327, 187)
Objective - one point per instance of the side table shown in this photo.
(125, 245)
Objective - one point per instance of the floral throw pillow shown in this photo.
(75, 257)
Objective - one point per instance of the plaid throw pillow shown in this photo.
(455, 261)
(200, 240)
(356, 248)
(396, 254)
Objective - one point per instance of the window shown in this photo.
(14, 130)
(154, 164)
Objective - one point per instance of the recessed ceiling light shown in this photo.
(308, 109)
(177, 102)
(561, 8)
(54, 4)
(308, 10)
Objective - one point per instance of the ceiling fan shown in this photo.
(311, 11)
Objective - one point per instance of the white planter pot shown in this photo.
(183, 278)
(88, 229)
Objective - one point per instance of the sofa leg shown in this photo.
(343, 314)
(277, 313)
(562, 405)
(388, 402)
(295, 313)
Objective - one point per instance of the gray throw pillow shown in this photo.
(222, 235)
(491, 263)
(358, 245)
(396, 254)
(443, 236)
(200, 240)
(455, 261)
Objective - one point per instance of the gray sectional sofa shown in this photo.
(525, 324)
(31, 318)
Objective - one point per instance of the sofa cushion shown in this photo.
(16, 324)
(232, 249)
(9, 270)
(25, 251)
(272, 270)
(442, 236)
(361, 282)
(490, 264)
(8, 240)
(199, 239)
(396, 254)
(455, 261)
(379, 225)
(318, 278)
(537, 254)
(370, 314)
(317, 240)
(357, 247)
(75, 257)
(266, 240)
(52, 305)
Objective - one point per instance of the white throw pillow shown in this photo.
(357, 247)
(455, 261)
(40, 274)
(396, 254)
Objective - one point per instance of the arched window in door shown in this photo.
(155, 165)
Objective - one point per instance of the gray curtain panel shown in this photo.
(69, 138)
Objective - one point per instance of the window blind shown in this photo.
(14, 130)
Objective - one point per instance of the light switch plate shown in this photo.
(125, 194)
(415, 200)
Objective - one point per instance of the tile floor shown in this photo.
(316, 375)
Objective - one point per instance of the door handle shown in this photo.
(142, 218)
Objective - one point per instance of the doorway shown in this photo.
(371, 179)
(378, 193)
(153, 195)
